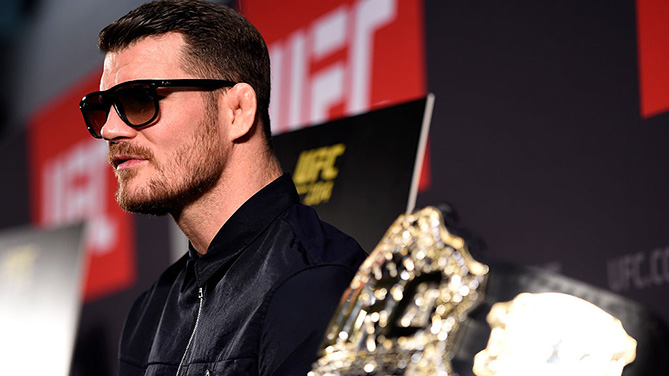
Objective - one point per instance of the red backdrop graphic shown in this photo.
(340, 57)
(653, 45)
(71, 181)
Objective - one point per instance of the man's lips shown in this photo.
(123, 156)
(122, 162)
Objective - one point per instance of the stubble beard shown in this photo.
(196, 167)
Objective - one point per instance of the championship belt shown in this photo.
(417, 304)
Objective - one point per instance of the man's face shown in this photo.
(177, 158)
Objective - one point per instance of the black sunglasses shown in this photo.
(135, 102)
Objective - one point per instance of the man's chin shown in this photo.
(143, 205)
(148, 208)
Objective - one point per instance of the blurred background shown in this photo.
(549, 134)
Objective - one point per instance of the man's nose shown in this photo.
(115, 128)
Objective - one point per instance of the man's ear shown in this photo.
(240, 104)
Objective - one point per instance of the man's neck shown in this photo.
(201, 220)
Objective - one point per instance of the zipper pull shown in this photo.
(200, 293)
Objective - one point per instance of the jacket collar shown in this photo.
(249, 221)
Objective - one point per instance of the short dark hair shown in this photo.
(220, 43)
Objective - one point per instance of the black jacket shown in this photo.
(264, 293)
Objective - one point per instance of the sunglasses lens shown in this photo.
(95, 112)
(137, 103)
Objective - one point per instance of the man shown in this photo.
(184, 109)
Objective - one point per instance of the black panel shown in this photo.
(14, 201)
(537, 138)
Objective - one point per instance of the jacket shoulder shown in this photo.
(320, 242)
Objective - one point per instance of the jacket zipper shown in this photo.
(200, 296)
